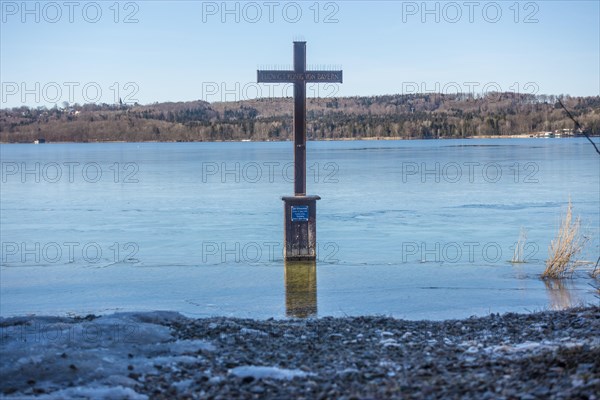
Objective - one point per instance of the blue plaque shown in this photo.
(299, 213)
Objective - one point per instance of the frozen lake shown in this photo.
(412, 229)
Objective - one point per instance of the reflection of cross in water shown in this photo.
(299, 77)
(300, 289)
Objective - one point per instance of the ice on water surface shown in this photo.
(413, 229)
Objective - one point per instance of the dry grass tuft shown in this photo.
(563, 250)
(519, 254)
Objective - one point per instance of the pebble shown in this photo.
(498, 356)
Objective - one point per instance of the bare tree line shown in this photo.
(395, 116)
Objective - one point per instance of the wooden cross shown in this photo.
(299, 77)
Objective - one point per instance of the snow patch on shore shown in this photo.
(99, 393)
(530, 347)
(99, 357)
(261, 372)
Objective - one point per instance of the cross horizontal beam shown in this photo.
(265, 76)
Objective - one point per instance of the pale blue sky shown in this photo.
(183, 50)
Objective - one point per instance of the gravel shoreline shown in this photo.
(550, 354)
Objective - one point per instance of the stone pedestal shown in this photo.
(300, 228)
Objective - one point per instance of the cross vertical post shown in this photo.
(300, 121)
(300, 210)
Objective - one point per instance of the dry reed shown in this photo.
(563, 250)
(596, 273)
(519, 253)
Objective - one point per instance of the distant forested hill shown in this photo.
(402, 116)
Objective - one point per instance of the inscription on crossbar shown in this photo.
(292, 76)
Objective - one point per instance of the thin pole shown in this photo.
(300, 121)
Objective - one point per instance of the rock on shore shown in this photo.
(164, 355)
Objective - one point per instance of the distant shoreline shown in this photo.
(390, 117)
(372, 138)
(393, 117)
